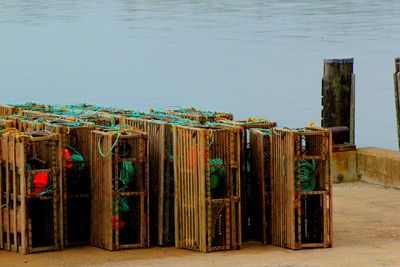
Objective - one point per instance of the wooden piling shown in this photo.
(338, 95)
(396, 80)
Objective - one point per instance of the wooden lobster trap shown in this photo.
(75, 205)
(201, 116)
(30, 177)
(120, 189)
(301, 188)
(101, 109)
(248, 182)
(161, 154)
(260, 173)
(35, 114)
(6, 123)
(8, 110)
(207, 188)
(98, 118)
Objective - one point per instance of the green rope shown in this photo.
(126, 174)
(217, 175)
(111, 148)
(308, 175)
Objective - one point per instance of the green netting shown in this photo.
(217, 175)
(308, 174)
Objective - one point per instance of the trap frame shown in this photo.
(301, 188)
(207, 187)
(30, 213)
(120, 188)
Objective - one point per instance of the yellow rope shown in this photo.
(24, 135)
(311, 125)
(8, 131)
(254, 119)
(127, 130)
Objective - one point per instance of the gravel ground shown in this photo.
(366, 233)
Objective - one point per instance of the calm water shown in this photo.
(255, 58)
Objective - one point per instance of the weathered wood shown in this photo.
(301, 217)
(109, 230)
(75, 182)
(396, 80)
(260, 207)
(30, 221)
(201, 116)
(207, 213)
(338, 91)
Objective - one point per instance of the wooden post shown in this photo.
(338, 94)
(396, 80)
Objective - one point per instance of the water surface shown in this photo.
(254, 58)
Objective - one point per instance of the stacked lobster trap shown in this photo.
(301, 188)
(207, 187)
(85, 174)
(30, 180)
(260, 173)
(75, 187)
(249, 183)
(201, 116)
(161, 154)
(120, 189)
(6, 123)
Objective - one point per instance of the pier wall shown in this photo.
(379, 166)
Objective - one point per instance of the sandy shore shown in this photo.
(366, 233)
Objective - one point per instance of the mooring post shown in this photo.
(396, 80)
(338, 95)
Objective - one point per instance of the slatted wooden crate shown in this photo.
(120, 207)
(7, 110)
(207, 188)
(30, 178)
(159, 129)
(98, 118)
(248, 184)
(260, 198)
(301, 188)
(55, 114)
(75, 203)
(35, 114)
(6, 123)
(201, 116)
(24, 125)
(100, 109)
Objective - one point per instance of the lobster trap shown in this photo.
(198, 115)
(6, 123)
(120, 189)
(161, 153)
(249, 184)
(30, 177)
(162, 178)
(75, 186)
(301, 188)
(207, 188)
(260, 173)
